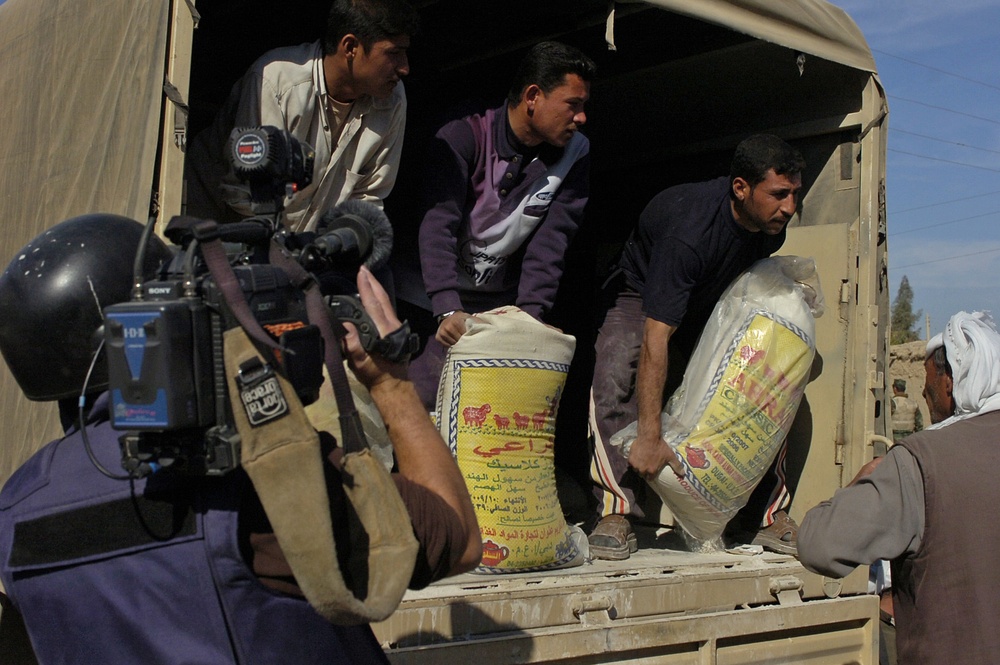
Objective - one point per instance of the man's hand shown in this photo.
(373, 370)
(421, 454)
(649, 455)
(452, 328)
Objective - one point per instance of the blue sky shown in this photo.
(940, 65)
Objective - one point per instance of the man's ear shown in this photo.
(741, 189)
(530, 96)
(949, 384)
(349, 46)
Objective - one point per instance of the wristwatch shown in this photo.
(442, 317)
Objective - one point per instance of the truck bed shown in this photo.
(663, 604)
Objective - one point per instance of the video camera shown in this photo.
(166, 366)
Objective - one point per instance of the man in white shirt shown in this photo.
(342, 95)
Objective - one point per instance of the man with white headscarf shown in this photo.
(917, 505)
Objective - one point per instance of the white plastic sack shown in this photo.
(739, 395)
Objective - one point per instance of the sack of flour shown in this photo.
(497, 404)
(739, 395)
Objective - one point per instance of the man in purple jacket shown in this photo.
(507, 191)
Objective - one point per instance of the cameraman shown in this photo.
(167, 568)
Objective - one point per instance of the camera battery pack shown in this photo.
(159, 365)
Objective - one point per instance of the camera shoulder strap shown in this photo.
(218, 265)
(352, 435)
(282, 457)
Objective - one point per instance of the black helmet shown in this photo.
(52, 297)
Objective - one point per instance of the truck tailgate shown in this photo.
(661, 605)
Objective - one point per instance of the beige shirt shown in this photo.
(904, 414)
(286, 88)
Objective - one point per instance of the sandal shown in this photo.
(612, 538)
(781, 536)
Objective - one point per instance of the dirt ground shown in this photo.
(906, 361)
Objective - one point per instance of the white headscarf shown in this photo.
(972, 345)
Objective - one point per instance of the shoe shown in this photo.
(612, 539)
(781, 537)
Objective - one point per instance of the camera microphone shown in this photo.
(354, 229)
(272, 161)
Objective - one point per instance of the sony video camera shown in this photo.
(166, 366)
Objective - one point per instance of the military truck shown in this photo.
(104, 96)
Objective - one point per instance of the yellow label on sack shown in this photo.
(747, 414)
(503, 428)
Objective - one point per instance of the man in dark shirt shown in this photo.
(692, 240)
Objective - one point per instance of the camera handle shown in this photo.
(214, 253)
(352, 434)
(351, 431)
(396, 347)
